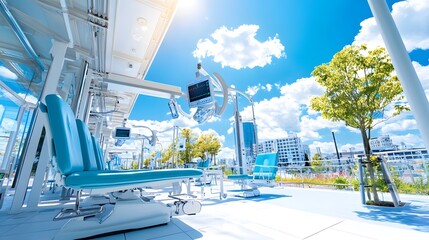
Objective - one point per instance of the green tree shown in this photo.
(206, 144)
(316, 162)
(359, 86)
(148, 159)
(186, 155)
(214, 148)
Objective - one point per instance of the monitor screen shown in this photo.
(199, 92)
(122, 133)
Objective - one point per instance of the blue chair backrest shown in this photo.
(88, 151)
(98, 154)
(203, 164)
(266, 165)
(65, 136)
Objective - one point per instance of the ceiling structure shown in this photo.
(118, 40)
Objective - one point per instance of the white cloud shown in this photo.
(230, 130)
(238, 48)
(397, 126)
(6, 73)
(412, 20)
(8, 124)
(410, 140)
(310, 126)
(325, 147)
(302, 90)
(423, 74)
(353, 147)
(279, 115)
(163, 128)
(226, 153)
(198, 131)
(252, 90)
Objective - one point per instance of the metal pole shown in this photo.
(173, 146)
(336, 150)
(362, 183)
(413, 89)
(390, 183)
(238, 138)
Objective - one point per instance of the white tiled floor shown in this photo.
(280, 213)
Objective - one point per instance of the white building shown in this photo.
(381, 143)
(290, 149)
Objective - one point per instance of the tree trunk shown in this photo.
(370, 167)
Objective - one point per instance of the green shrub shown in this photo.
(356, 184)
(340, 180)
(227, 172)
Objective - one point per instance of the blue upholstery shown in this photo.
(265, 168)
(239, 177)
(112, 178)
(76, 158)
(98, 154)
(88, 151)
(203, 164)
(65, 136)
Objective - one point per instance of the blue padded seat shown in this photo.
(203, 164)
(239, 176)
(98, 154)
(102, 179)
(76, 160)
(265, 168)
(87, 145)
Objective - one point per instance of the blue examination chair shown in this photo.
(264, 174)
(113, 204)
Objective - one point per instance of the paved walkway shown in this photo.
(279, 213)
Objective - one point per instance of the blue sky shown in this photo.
(269, 50)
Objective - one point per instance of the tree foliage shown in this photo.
(359, 85)
(186, 155)
(207, 144)
(359, 88)
(316, 162)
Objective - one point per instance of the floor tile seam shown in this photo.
(353, 233)
(324, 229)
(163, 236)
(26, 233)
(52, 228)
(171, 222)
(277, 230)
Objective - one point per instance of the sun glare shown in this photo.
(187, 5)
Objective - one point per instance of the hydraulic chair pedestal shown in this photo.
(127, 214)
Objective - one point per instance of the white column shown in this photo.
(407, 75)
(58, 52)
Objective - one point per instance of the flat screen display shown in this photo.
(198, 91)
(122, 133)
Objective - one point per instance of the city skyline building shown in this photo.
(291, 150)
(249, 139)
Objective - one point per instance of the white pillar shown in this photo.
(407, 75)
(58, 52)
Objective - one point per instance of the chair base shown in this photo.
(248, 193)
(127, 215)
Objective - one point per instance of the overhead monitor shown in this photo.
(122, 133)
(200, 92)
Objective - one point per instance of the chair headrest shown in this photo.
(65, 135)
